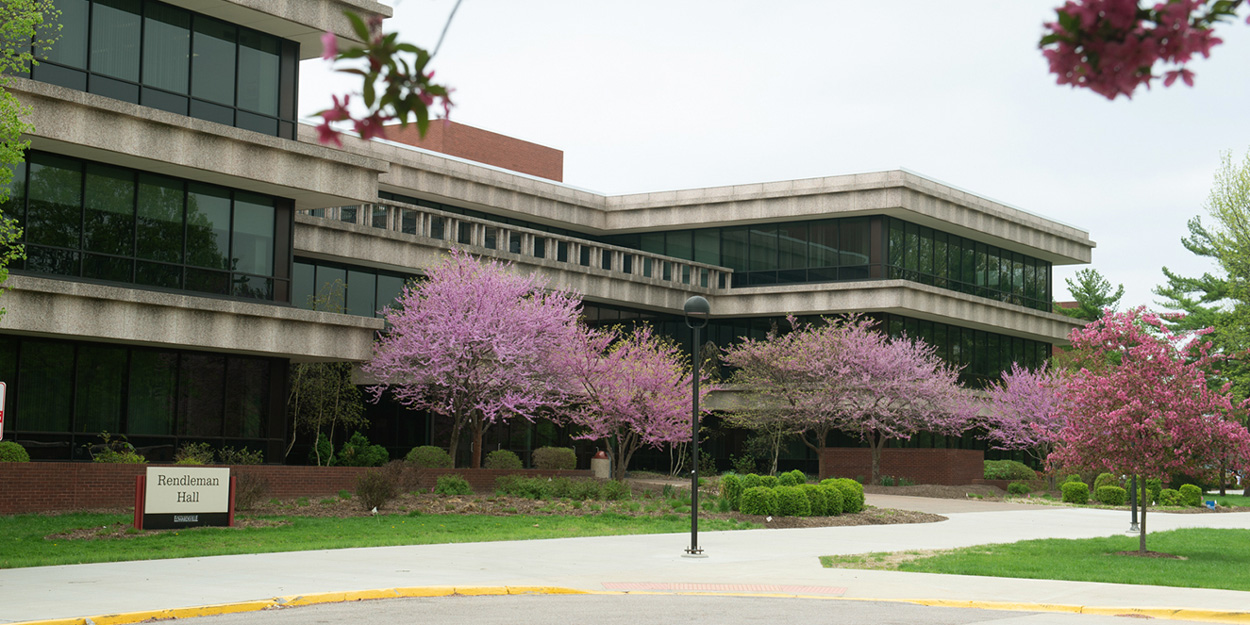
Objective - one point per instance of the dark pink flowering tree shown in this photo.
(844, 374)
(395, 83)
(475, 343)
(1026, 410)
(630, 389)
(1142, 403)
(1112, 46)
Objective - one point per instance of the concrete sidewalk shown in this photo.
(777, 561)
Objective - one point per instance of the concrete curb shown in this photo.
(127, 618)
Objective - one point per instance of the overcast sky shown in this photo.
(651, 95)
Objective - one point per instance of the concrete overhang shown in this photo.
(902, 297)
(903, 194)
(94, 127)
(303, 21)
(82, 311)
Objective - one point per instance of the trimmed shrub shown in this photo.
(1008, 470)
(1075, 477)
(230, 455)
(554, 458)
(1075, 492)
(1111, 495)
(1170, 497)
(323, 447)
(768, 481)
(249, 490)
(521, 486)
(1191, 495)
(1018, 488)
(502, 459)
(194, 453)
(818, 499)
(12, 452)
(751, 480)
(1155, 485)
(759, 500)
(376, 488)
(833, 499)
(429, 457)
(792, 501)
(792, 478)
(359, 452)
(852, 493)
(1105, 479)
(452, 485)
(731, 489)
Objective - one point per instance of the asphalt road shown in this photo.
(637, 610)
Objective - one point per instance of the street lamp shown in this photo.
(697, 311)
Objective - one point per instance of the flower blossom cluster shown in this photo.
(1112, 46)
(395, 87)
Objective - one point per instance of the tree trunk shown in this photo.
(1223, 469)
(479, 428)
(456, 424)
(1141, 543)
(876, 441)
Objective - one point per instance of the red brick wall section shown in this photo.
(955, 467)
(484, 146)
(27, 487)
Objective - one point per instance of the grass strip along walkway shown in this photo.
(39, 540)
(1212, 558)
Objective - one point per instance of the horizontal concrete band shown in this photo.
(1210, 616)
(59, 308)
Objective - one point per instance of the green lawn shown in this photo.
(24, 539)
(1215, 558)
(1229, 500)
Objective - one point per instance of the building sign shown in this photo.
(179, 496)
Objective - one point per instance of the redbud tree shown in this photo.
(1113, 46)
(631, 389)
(1141, 403)
(1025, 412)
(475, 343)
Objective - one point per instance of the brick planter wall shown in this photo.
(27, 487)
(923, 466)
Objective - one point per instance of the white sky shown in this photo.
(651, 95)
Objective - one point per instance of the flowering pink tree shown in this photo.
(632, 390)
(1112, 46)
(1026, 411)
(475, 343)
(395, 83)
(844, 374)
(1141, 403)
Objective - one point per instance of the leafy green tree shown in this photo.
(20, 37)
(1093, 295)
(1219, 300)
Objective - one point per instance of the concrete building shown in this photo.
(178, 222)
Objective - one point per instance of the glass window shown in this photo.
(208, 226)
(115, 26)
(823, 244)
(763, 247)
(101, 379)
(253, 233)
(361, 293)
(856, 238)
(680, 244)
(792, 245)
(389, 290)
(331, 289)
(71, 42)
(201, 394)
(160, 218)
(925, 253)
(152, 399)
(408, 221)
(348, 214)
(734, 248)
(707, 246)
(302, 285)
(212, 65)
(109, 221)
(911, 249)
(940, 270)
(45, 391)
(55, 216)
(247, 382)
(378, 217)
(258, 72)
(166, 47)
(652, 242)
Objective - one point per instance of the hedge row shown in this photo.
(790, 495)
